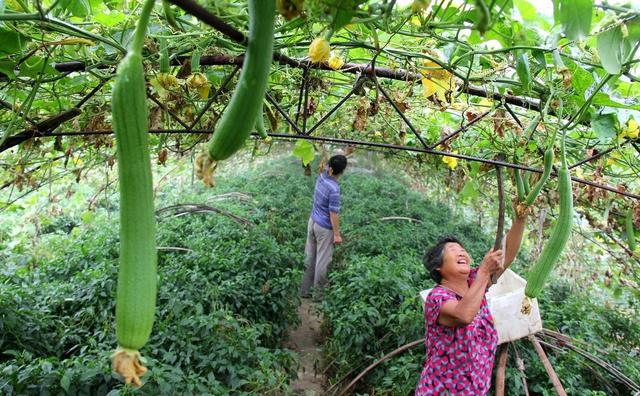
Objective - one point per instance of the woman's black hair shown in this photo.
(433, 258)
(338, 163)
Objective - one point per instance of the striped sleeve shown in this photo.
(334, 200)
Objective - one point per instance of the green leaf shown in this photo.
(35, 65)
(613, 50)
(617, 292)
(469, 191)
(541, 60)
(95, 4)
(483, 16)
(11, 42)
(629, 89)
(523, 69)
(557, 60)
(65, 381)
(304, 150)
(582, 81)
(604, 125)
(633, 27)
(78, 8)
(342, 18)
(602, 99)
(344, 11)
(527, 11)
(87, 217)
(111, 19)
(474, 168)
(449, 14)
(6, 68)
(575, 17)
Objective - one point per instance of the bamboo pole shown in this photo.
(520, 366)
(503, 353)
(548, 367)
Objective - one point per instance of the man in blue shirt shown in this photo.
(323, 230)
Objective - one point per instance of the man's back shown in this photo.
(326, 199)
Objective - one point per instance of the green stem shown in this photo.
(631, 59)
(432, 15)
(164, 57)
(617, 9)
(52, 6)
(366, 20)
(427, 35)
(10, 127)
(501, 50)
(141, 30)
(562, 147)
(576, 117)
(168, 14)
(174, 36)
(452, 26)
(495, 18)
(545, 109)
(46, 21)
(294, 24)
(23, 5)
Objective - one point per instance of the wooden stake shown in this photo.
(520, 366)
(502, 368)
(547, 366)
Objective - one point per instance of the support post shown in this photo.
(548, 367)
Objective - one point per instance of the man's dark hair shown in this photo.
(433, 258)
(338, 163)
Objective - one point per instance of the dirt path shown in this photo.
(305, 341)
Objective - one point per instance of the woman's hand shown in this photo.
(491, 263)
(461, 313)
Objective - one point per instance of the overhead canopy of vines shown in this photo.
(452, 84)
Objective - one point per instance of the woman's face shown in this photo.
(456, 262)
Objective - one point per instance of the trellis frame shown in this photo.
(48, 126)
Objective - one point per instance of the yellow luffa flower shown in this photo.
(452, 162)
(335, 62)
(167, 81)
(613, 158)
(632, 129)
(319, 50)
(200, 83)
(435, 71)
(436, 80)
(164, 83)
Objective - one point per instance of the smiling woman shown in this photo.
(460, 337)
